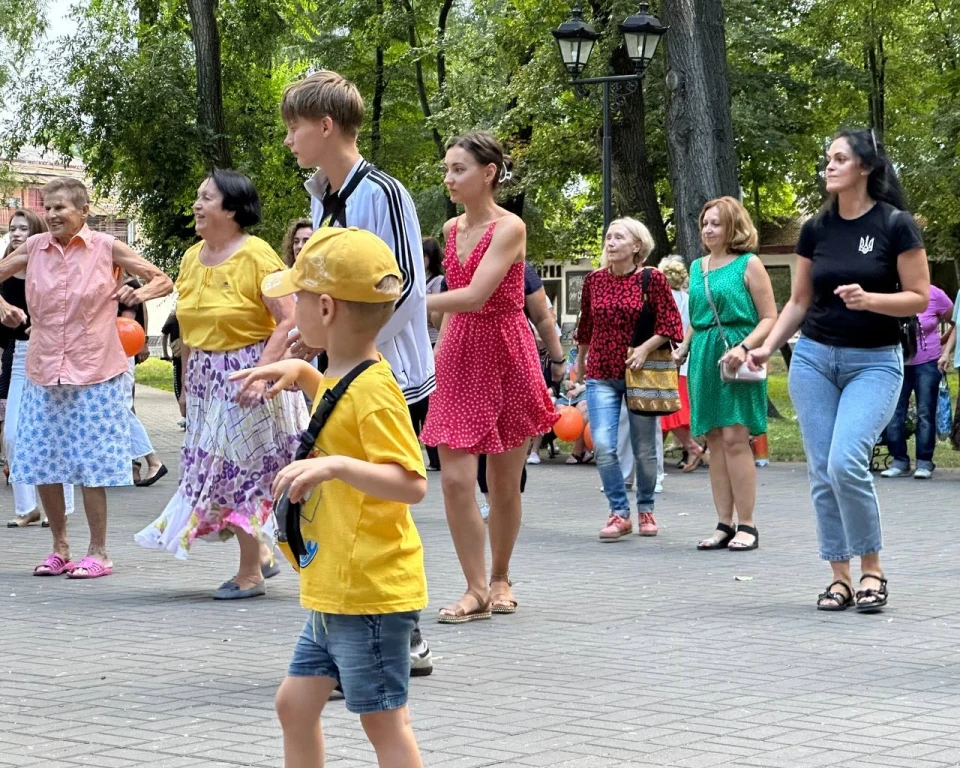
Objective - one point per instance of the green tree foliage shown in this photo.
(120, 93)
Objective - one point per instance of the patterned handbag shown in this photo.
(653, 389)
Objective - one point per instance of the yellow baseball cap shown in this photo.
(345, 263)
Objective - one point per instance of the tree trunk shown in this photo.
(514, 201)
(148, 12)
(206, 44)
(379, 88)
(757, 213)
(701, 151)
(442, 52)
(877, 69)
(634, 193)
(422, 92)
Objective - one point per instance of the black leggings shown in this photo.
(418, 415)
(5, 371)
(482, 475)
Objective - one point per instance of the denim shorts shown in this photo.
(368, 655)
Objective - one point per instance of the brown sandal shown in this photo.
(693, 462)
(502, 600)
(458, 614)
(25, 520)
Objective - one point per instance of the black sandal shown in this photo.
(749, 529)
(879, 596)
(728, 534)
(840, 601)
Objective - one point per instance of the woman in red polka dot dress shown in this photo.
(490, 397)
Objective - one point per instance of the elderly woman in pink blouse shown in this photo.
(74, 424)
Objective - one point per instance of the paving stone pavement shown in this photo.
(640, 653)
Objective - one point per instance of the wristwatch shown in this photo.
(745, 347)
(561, 361)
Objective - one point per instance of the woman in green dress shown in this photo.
(728, 413)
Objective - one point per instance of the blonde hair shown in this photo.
(675, 270)
(74, 189)
(736, 222)
(324, 94)
(368, 317)
(640, 235)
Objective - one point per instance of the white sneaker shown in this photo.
(896, 472)
(421, 660)
(923, 474)
(484, 511)
(533, 458)
(658, 488)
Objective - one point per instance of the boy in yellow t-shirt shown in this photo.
(362, 576)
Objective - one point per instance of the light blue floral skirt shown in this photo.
(78, 435)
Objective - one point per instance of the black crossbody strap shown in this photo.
(329, 399)
(331, 219)
(287, 513)
(643, 329)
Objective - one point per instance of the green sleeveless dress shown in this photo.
(715, 403)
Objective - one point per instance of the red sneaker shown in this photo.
(616, 528)
(648, 524)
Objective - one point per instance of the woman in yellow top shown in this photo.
(236, 442)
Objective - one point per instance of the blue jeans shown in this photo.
(368, 655)
(844, 398)
(604, 397)
(924, 379)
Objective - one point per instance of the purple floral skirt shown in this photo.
(229, 459)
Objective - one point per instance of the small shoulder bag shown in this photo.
(653, 389)
(911, 336)
(285, 512)
(744, 373)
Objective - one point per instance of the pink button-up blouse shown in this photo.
(73, 315)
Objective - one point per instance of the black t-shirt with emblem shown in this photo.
(862, 251)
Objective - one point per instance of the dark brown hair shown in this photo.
(295, 226)
(434, 254)
(486, 149)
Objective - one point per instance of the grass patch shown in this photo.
(156, 373)
(783, 435)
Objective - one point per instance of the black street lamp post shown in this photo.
(576, 39)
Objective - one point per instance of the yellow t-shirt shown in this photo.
(364, 555)
(221, 308)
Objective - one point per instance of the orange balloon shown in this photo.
(132, 336)
(587, 438)
(570, 425)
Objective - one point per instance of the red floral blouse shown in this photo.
(609, 307)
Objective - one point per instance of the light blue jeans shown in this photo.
(604, 399)
(844, 398)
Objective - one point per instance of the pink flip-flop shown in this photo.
(55, 566)
(94, 568)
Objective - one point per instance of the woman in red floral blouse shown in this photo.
(609, 307)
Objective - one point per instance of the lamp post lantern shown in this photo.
(576, 39)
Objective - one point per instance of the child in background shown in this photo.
(362, 578)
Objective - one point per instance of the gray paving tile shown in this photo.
(642, 653)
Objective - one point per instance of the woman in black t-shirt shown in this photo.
(861, 266)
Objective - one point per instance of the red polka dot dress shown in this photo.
(490, 396)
